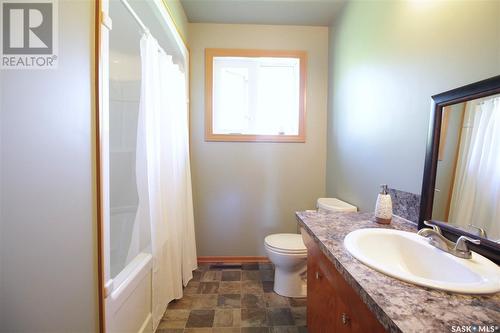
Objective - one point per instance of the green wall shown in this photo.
(244, 191)
(386, 60)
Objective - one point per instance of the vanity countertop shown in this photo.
(399, 306)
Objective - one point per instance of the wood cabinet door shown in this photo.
(343, 321)
(332, 305)
(359, 318)
(321, 305)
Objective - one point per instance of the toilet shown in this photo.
(288, 253)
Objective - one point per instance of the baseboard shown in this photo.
(232, 259)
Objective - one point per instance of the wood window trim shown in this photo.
(209, 56)
(444, 132)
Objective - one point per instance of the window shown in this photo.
(255, 95)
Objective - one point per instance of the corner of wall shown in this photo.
(1, 219)
(329, 112)
(176, 11)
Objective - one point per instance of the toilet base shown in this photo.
(291, 284)
(290, 264)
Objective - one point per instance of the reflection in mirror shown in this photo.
(467, 191)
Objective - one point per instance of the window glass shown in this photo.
(253, 96)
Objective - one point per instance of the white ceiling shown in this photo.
(279, 12)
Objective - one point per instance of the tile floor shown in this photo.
(234, 299)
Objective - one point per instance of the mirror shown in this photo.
(467, 190)
(461, 185)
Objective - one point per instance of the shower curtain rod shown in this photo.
(135, 16)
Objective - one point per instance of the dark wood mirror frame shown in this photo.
(469, 92)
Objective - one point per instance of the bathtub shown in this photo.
(121, 230)
(128, 298)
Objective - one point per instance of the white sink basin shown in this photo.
(409, 257)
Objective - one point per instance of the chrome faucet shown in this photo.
(481, 231)
(436, 239)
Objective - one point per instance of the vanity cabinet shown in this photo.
(332, 305)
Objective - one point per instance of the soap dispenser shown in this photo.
(383, 208)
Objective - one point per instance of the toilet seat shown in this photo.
(285, 253)
(286, 243)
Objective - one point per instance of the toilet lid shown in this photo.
(286, 242)
(336, 205)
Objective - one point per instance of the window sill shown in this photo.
(254, 138)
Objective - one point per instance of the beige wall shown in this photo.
(244, 191)
(48, 241)
(387, 58)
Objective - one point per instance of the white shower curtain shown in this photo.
(163, 174)
(476, 192)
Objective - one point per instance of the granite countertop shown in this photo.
(399, 306)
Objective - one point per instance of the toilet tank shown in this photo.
(334, 205)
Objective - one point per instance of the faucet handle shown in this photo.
(433, 226)
(461, 244)
(481, 231)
